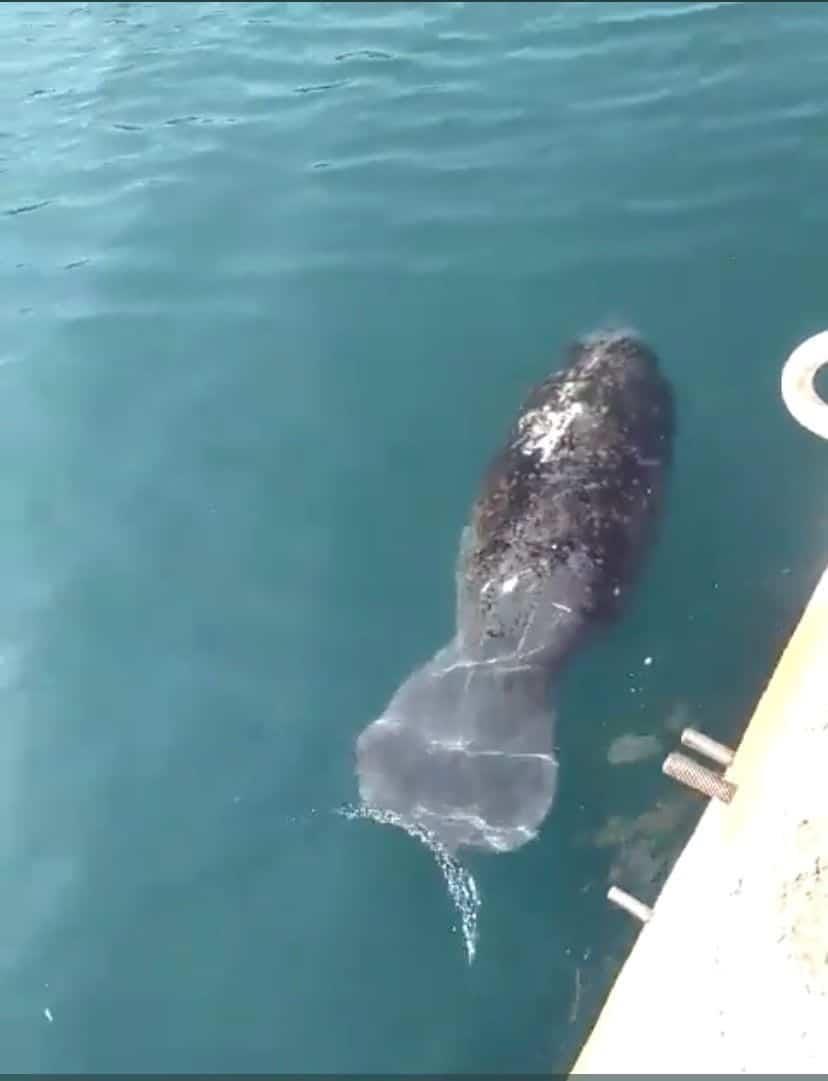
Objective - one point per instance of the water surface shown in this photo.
(273, 281)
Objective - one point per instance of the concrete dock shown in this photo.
(730, 972)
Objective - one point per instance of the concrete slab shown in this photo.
(730, 975)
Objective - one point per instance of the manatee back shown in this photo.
(567, 507)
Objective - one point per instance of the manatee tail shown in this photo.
(465, 751)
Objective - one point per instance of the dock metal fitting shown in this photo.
(709, 748)
(629, 903)
(798, 391)
(698, 777)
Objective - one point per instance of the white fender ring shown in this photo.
(798, 391)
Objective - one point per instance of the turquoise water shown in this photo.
(273, 281)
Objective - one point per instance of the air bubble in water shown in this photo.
(460, 883)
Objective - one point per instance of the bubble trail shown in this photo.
(461, 885)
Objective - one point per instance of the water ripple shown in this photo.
(26, 208)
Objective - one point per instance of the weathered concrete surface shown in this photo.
(731, 973)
